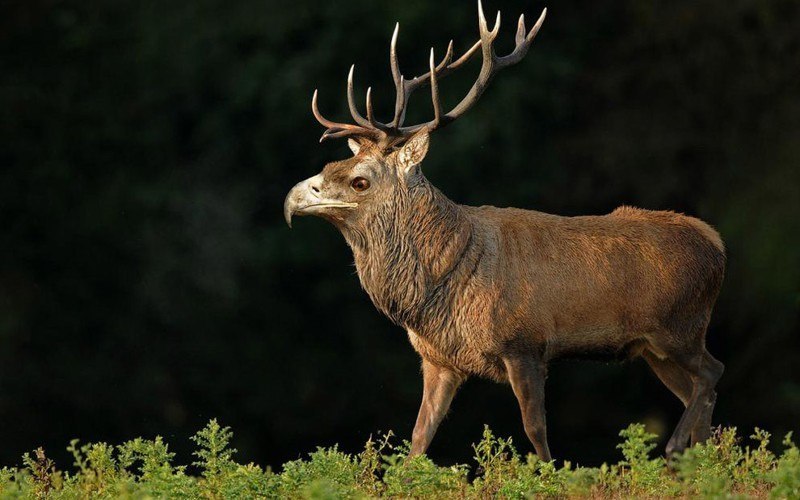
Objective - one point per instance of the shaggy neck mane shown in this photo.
(407, 250)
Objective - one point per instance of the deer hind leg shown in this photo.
(671, 375)
(439, 388)
(679, 381)
(702, 429)
(695, 423)
(527, 377)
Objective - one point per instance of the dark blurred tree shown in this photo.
(148, 283)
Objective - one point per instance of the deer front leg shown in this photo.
(439, 387)
(527, 376)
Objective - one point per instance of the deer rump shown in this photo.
(610, 286)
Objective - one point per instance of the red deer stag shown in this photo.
(499, 292)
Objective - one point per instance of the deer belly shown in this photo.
(599, 343)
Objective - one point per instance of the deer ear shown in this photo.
(413, 151)
(354, 145)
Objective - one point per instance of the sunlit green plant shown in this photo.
(142, 468)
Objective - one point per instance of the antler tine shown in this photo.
(351, 101)
(370, 113)
(400, 95)
(437, 106)
(448, 56)
(532, 34)
(442, 69)
(466, 57)
(520, 37)
(481, 18)
(321, 119)
(341, 133)
(484, 30)
(393, 53)
(496, 28)
(336, 129)
(523, 41)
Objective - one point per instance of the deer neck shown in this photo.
(407, 252)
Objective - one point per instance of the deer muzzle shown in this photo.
(307, 198)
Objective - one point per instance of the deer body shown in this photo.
(471, 284)
(500, 292)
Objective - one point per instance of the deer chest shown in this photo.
(453, 353)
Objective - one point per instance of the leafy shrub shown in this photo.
(786, 474)
(156, 475)
(329, 472)
(419, 477)
(709, 469)
(640, 474)
(141, 468)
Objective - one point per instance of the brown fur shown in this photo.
(499, 292)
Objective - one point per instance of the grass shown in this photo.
(723, 467)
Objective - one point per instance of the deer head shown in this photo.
(387, 155)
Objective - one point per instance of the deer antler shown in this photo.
(391, 133)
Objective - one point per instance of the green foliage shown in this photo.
(786, 475)
(327, 473)
(719, 468)
(498, 464)
(156, 474)
(709, 469)
(215, 457)
(419, 477)
(97, 469)
(755, 461)
(640, 474)
(371, 462)
(40, 474)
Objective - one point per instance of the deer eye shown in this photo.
(360, 184)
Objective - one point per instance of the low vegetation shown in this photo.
(725, 467)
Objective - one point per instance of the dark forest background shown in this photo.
(148, 281)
